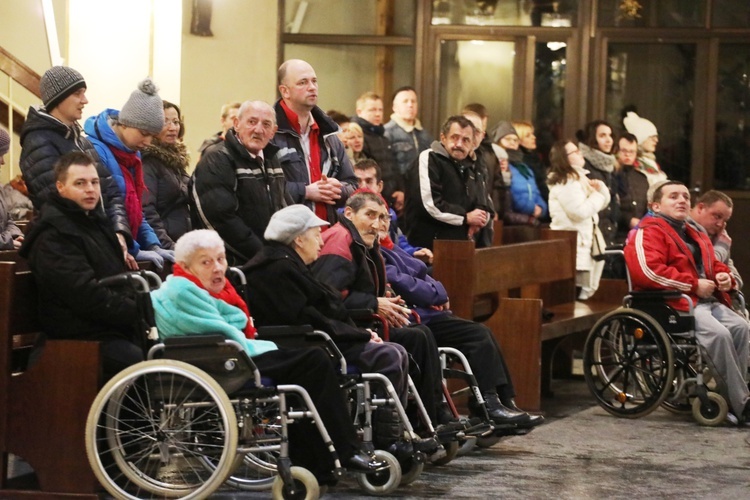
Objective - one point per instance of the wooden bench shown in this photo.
(506, 287)
(43, 409)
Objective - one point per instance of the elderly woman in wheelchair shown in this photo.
(197, 299)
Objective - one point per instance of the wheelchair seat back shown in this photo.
(230, 367)
(671, 320)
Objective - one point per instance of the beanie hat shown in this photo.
(57, 83)
(501, 130)
(290, 222)
(144, 109)
(4, 141)
(641, 128)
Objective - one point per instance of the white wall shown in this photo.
(111, 44)
(236, 64)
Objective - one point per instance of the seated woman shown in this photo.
(199, 299)
(574, 205)
(283, 291)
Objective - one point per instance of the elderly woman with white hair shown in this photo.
(198, 298)
(284, 291)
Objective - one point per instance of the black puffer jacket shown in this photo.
(236, 194)
(44, 139)
(69, 251)
(378, 147)
(440, 192)
(165, 203)
(333, 159)
(283, 291)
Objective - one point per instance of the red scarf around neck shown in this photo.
(321, 210)
(228, 294)
(132, 172)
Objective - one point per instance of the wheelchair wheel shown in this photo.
(451, 452)
(713, 413)
(304, 482)
(467, 445)
(383, 482)
(257, 471)
(151, 427)
(488, 441)
(628, 363)
(411, 469)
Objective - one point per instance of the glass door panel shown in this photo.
(732, 160)
(658, 82)
(476, 71)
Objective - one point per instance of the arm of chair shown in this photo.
(368, 316)
(302, 336)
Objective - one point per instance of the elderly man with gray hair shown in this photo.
(238, 184)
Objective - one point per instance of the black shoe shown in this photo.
(534, 419)
(445, 415)
(500, 414)
(363, 462)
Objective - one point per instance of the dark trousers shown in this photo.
(480, 347)
(420, 344)
(313, 369)
(387, 358)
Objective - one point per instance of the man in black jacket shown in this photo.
(446, 196)
(52, 130)
(238, 183)
(70, 249)
(378, 147)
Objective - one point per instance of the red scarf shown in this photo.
(228, 294)
(321, 210)
(132, 172)
(387, 243)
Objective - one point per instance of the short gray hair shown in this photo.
(192, 241)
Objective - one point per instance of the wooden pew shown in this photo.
(43, 409)
(505, 287)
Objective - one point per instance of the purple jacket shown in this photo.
(408, 277)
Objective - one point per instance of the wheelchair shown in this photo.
(645, 355)
(196, 412)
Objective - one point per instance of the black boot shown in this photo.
(534, 419)
(500, 414)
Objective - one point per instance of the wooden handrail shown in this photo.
(19, 72)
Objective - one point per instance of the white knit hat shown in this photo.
(641, 128)
(290, 222)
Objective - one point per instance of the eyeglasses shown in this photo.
(176, 123)
(575, 151)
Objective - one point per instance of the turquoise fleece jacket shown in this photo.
(182, 308)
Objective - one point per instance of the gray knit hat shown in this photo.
(501, 130)
(290, 222)
(4, 141)
(57, 83)
(144, 109)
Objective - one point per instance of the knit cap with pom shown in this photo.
(144, 109)
(641, 128)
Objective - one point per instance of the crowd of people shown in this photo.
(328, 214)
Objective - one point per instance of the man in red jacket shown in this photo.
(669, 254)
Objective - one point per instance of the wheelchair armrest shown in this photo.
(134, 279)
(285, 331)
(196, 339)
(654, 295)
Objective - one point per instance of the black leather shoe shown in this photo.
(534, 419)
(500, 414)
(363, 462)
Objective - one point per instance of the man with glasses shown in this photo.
(632, 186)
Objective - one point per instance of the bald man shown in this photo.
(317, 169)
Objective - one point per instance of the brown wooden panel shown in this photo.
(517, 326)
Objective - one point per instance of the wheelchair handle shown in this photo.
(126, 278)
(238, 272)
